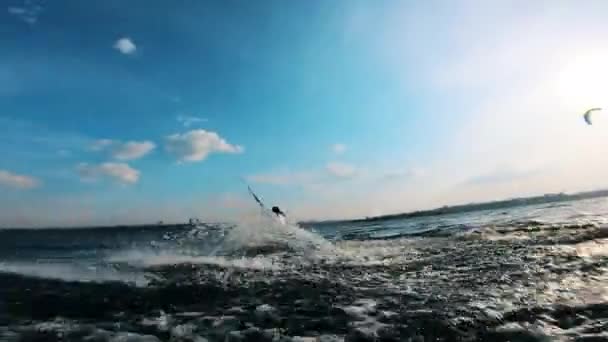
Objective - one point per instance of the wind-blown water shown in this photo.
(527, 273)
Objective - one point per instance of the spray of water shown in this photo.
(260, 243)
(265, 232)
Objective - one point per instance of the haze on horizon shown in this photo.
(118, 112)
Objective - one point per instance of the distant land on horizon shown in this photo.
(470, 207)
(455, 209)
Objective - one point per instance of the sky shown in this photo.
(121, 112)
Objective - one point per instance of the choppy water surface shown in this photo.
(525, 274)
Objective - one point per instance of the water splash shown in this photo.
(272, 235)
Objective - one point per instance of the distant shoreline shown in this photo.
(471, 207)
(445, 210)
(118, 226)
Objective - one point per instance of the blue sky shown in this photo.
(139, 111)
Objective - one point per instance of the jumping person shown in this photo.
(275, 210)
(278, 211)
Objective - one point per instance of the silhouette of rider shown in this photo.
(278, 211)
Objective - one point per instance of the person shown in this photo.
(277, 211)
(280, 214)
(281, 217)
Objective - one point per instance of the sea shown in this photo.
(530, 273)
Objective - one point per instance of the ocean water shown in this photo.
(535, 273)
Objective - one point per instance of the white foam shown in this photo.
(58, 324)
(132, 337)
(380, 252)
(139, 258)
(162, 322)
(304, 339)
(183, 331)
(598, 247)
(302, 247)
(363, 312)
(265, 231)
(361, 308)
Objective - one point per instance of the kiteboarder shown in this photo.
(278, 211)
(275, 210)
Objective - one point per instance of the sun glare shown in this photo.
(581, 82)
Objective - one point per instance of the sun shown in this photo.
(582, 81)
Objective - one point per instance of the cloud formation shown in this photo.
(28, 13)
(133, 150)
(16, 181)
(129, 150)
(197, 144)
(341, 170)
(101, 144)
(338, 148)
(188, 121)
(119, 172)
(125, 46)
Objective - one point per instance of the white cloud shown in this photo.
(17, 181)
(16, 10)
(125, 46)
(101, 144)
(338, 148)
(188, 121)
(197, 144)
(133, 150)
(120, 172)
(341, 170)
(119, 150)
(28, 13)
(508, 95)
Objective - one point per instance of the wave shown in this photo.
(150, 259)
(261, 245)
(73, 272)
